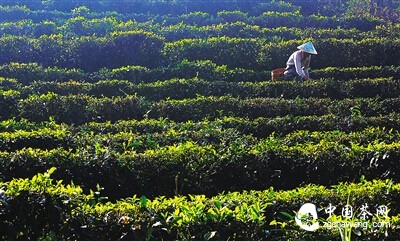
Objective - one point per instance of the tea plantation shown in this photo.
(158, 120)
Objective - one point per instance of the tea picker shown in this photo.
(297, 65)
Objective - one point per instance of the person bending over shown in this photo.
(299, 63)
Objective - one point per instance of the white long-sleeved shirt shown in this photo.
(301, 64)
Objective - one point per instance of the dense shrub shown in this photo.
(202, 69)
(186, 167)
(336, 52)
(17, 49)
(211, 107)
(27, 73)
(135, 48)
(347, 73)
(173, 98)
(130, 48)
(64, 211)
(273, 19)
(87, 53)
(79, 109)
(257, 54)
(234, 52)
(9, 103)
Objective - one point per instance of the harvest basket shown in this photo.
(277, 74)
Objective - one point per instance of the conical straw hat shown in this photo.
(308, 47)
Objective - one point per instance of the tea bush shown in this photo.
(164, 114)
(63, 212)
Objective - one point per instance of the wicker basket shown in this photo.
(277, 74)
